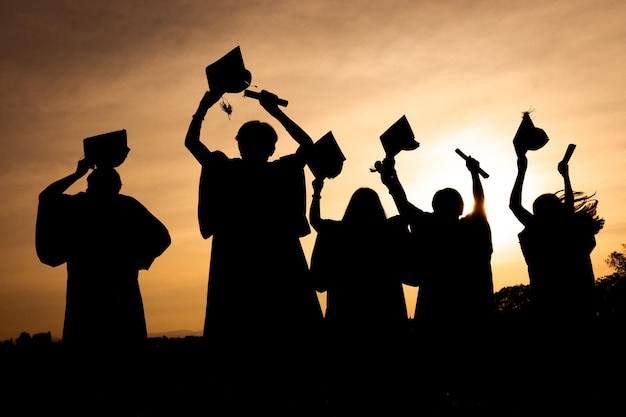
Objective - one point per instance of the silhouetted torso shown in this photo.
(559, 267)
(362, 271)
(105, 238)
(453, 261)
(262, 308)
(105, 242)
(360, 262)
(557, 241)
(258, 269)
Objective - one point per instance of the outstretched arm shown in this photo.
(58, 187)
(269, 101)
(192, 139)
(314, 212)
(515, 202)
(479, 195)
(389, 177)
(567, 186)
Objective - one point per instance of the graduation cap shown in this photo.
(399, 137)
(229, 73)
(106, 150)
(529, 137)
(327, 159)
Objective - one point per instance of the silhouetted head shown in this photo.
(448, 203)
(364, 208)
(257, 140)
(104, 182)
(548, 206)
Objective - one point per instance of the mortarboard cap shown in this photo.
(228, 73)
(106, 150)
(399, 137)
(327, 159)
(529, 137)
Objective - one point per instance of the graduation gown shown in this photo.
(258, 274)
(104, 243)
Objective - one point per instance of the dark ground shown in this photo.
(585, 376)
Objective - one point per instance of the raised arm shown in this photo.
(389, 177)
(477, 187)
(192, 139)
(515, 201)
(314, 211)
(269, 101)
(567, 186)
(60, 186)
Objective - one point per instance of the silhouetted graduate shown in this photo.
(363, 271)
(105, 238)
(254, 210)
(452, 265)
(359, 261)
(557, 241)
(261, 304)
(453, 254)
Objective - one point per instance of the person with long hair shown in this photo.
(360, 262)
(557, 241)
(364, 278)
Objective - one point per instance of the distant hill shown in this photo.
(176, 333)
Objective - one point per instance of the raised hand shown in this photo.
(318, 184)
(83, 167)
(472, 164)
(269, 101)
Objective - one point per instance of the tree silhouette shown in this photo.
(512, 300)
(611, 290)
(23, 339)
(617, 261)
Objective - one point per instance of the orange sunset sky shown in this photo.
(461, 71)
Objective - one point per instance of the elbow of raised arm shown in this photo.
(191, 138)
(188, 144)
(43, 195)
(518, 211)
(193, 145)
(315, 222)
(514, 202)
